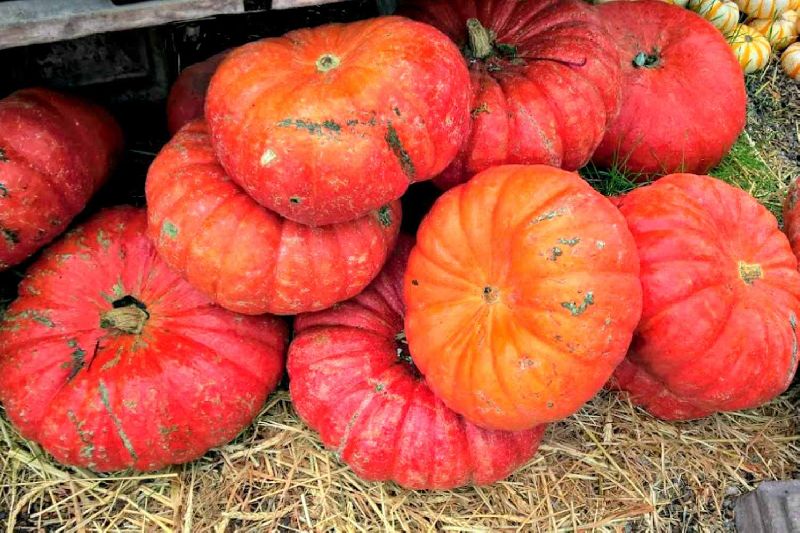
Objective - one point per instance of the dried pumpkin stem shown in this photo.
(480, 39)
(129, 315)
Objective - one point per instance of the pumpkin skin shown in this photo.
(55, 153)
(721, 292)
(187, 97)
(369, 108)
(680, 109)
(791, 215)
(522, 294)
(245, 257)
(546, 92)
(110, 361)
(780, 32)
(722, 14)
(353, 382)
(790, 61)
(751, 49)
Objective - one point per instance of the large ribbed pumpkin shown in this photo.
(324, 125)
(522, 295)
(545, 81)
(55, 152)
(721, 289)
(245, 257)
(352, 380)
(187, 97)
(683, 95)
(110, 361)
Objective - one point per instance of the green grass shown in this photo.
(744, 167)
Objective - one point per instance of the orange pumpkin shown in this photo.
(324, 125)
(522, 294)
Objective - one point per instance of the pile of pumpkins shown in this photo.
(144, 338)
(768, 25)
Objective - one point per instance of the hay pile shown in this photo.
(610, 465)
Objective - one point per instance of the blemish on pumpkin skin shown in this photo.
(415, 282)
(86, 436)
(268, 157)
(3, 191)
(576, 309)
(397, 111)
(569, 242)
(483, 108)
(600, 244)
(3, 156)
(385, 216)
(550, 215)
(104, 398)
(78, 359)
(393, 140)
(314, 128)
(10, 236)
(169, 229)
(750, 272)
(295, 200)
(555, 253)
(103, 240)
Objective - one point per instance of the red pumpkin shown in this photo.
(110, 361)
(545, 83)
(247, 258)
(352, 380)
(187, 97)
(55, 152)
(791, 217)
(324, 125)
(683, 95)
(522, 295)
(721, 289)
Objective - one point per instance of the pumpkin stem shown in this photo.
(128, 315)
(481, 40)
(645, 60)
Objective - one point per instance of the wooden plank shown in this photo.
(289, 4)
(24, 22)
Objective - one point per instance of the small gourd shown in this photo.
(780, 31)
(723, 14)
(750, 47)
(765, 9)
(790, 61)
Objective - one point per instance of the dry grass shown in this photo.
(608, 466)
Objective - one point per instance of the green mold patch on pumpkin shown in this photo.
(169, 229)
(29, 314)
(78, 359)
(3, 191)
(314, 128)
(385, 216)
(750, 272)
(10, 236)
(103, 240)
(393, 140)
(576, 309)
(481, 109)
(85, 436)
(295, 200)
(105, 400)
(569, 242)
(549, 215)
